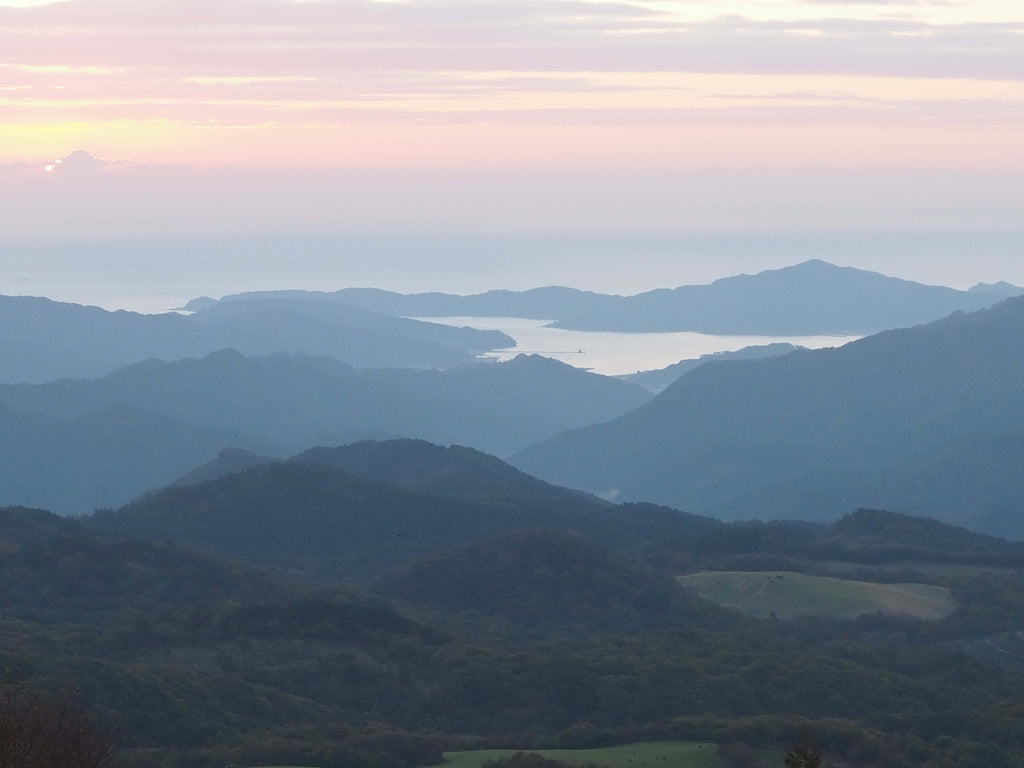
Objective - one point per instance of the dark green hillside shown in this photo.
(194, 661)
(172, 651)
(326, 523)
(54, 570)
(464, 472)
(876, 531)
(729, 431)
(301, 516)
(545, 582)
(866, 537)
(21, 524)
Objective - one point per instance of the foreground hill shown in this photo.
(325, 523)
(42, 340)
(170, 650)
(728, 432)
(811, 298)
(454, 470)
(193, 660)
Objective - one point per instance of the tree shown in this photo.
(36, 732)
(803, 756)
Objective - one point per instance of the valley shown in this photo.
(285, 555)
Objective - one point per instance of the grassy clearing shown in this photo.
(658, 754)
(787, 595)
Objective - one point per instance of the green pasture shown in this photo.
(658, 754)
(787, 595)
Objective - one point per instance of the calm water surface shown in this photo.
(617, 353)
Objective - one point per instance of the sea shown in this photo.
(162, 273)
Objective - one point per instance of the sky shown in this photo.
(158, 118)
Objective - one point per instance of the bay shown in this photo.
(614, 354)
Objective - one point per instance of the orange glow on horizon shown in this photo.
(656, 84)
(545, 148)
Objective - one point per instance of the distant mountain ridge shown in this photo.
(542, 303)
(727, 436)
(74, 464)
(658, 380)
(42, 340)
(273, 406)
(811, 298)
(973, 481)
(295, 399)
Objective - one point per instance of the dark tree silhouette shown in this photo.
(37, 732)
(803, 756)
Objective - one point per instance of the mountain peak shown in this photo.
(1002, 288)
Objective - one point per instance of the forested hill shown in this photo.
(731, 433)
(324, 523)
(867, 537)
(192, 660)
(544, 582)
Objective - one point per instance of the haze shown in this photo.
(629, 120)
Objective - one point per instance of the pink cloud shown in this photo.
(433, 84)
(167, 39)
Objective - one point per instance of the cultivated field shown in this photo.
(787, 595)
(660, 754)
